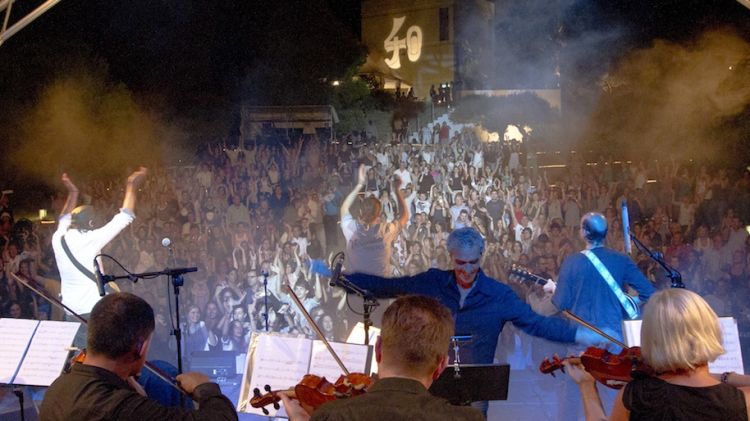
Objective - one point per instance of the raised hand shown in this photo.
(68, 183)
(137, 177)
(362, 175)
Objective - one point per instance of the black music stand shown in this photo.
(475, 382)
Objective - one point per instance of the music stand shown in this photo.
(475, 382)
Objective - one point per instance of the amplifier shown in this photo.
(214, 364)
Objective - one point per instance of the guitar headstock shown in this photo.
(262, 400)
(520, 273)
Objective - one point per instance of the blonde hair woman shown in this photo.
(679, 337)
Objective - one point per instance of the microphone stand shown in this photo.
(672, 273)
(175, 277)
(265, 298)
(19, 394)
(177, 281)
(369, 302)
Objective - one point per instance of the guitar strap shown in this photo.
(627, 303)
(76, 263)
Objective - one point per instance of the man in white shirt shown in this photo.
(237, 212)
(403, 174)
(77, 233)
(737, 235)
(456, 209)
(384, 158)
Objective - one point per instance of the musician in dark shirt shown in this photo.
(102, 387)
(680, 335)
(411, 353)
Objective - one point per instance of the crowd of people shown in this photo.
(253, 217)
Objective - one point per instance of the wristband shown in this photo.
(725, 376)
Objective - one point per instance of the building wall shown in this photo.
(389, 25)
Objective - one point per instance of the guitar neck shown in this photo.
(524, 275)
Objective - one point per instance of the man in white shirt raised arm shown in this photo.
(77, 241)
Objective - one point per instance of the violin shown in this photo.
(313, 391)
(611, 370)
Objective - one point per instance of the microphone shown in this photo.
(166, 242)
(99, 278)
(336, 271)
(626, 226)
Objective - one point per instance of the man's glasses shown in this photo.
(463, 262)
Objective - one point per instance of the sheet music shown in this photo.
(47, 353)
(731, 360)
(274, 360)
(16, 335)
(357, 336)
(631, 332)
(354, 357)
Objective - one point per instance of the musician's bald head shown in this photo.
(594, 228)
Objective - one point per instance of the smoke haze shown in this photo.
(673, 98)
(90, 128)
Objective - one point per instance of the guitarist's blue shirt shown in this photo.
(583, 291)
(486, 309)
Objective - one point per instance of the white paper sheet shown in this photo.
(357, 336)
(274, 360)
(731, 360)
(16, 335)
(281, 361)
(47, 353)
(354, 357)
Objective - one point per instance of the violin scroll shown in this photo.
(269, 398)
(549, 366)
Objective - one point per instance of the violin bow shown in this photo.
(586, 324)
(315, 327)
(54, 301)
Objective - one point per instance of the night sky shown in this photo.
(194, 61)
(191, 63)
(200, 52)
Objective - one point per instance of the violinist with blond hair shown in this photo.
(680, 335)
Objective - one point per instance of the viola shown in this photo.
(611, 370)
(313, 391)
